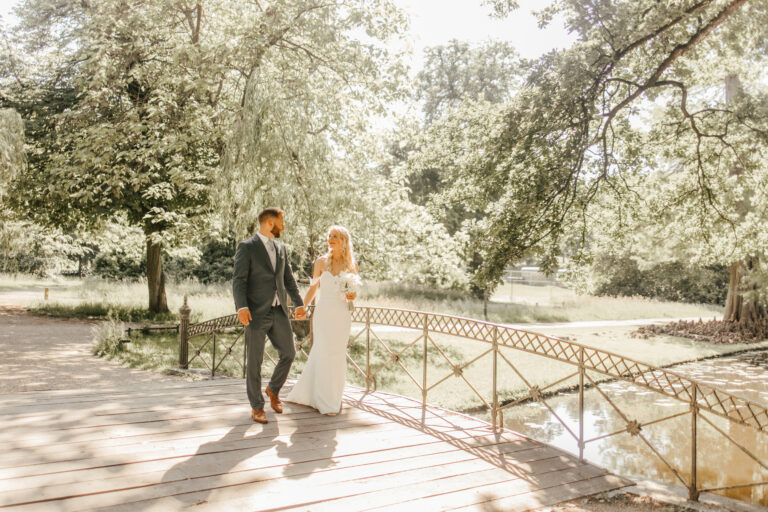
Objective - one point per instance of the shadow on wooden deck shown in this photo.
(181, 445)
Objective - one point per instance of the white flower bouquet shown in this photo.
(349, 282)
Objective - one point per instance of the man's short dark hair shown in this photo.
(270, 213)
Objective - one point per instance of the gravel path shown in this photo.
(39, 353)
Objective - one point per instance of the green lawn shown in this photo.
(10, 282)
(95, 297)
(532, 304)
(73, 297)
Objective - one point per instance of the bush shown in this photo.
(672, 281)
(216, 261)
(211, 263)
(107, 337)
(119, 264)
(181, 266)
(27, 248)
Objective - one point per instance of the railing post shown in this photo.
(495, 407)
(581, 404)
(424, 379)
(693, 491)
(184, 335)
(368, 349)
(213, 362)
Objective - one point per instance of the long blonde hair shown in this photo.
(347, 252)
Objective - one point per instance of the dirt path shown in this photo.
(39, 353)
(596, 323)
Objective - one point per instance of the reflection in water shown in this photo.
(720, 462)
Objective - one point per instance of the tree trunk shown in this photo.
(156, 278)
(748, 313)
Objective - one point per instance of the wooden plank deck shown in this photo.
(192, 445)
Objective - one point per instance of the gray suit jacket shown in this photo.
(255, 282)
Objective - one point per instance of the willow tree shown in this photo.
(302, 137)
(139, 100)
(570, 135)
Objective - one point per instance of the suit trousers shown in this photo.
(275, 325)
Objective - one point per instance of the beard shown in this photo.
(276, 231)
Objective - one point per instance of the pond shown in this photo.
(720, 462)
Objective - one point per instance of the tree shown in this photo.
(134, 134)
(568, 134)
(457, 72)
(457, 81)
(459, 89)
(144, 96)
(302, 139)
(750, 309)
(442, 154)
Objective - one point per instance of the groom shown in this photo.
(261, 279)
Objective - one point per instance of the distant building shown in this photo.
(533, 276)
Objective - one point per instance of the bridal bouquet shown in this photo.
(349, 283)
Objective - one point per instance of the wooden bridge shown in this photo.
(193, 445)
(178, 445)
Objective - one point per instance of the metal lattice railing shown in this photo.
(700, 397)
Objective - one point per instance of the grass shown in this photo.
(125, 301)
(108, 337)
(24, 282)
(532, 304)
(101, 310)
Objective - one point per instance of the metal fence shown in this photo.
(591, 367)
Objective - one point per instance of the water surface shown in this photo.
(720, 462)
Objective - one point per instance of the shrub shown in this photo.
(107, 337)
(216, 261)
(211, 263)
(119, 264)
(672, 281)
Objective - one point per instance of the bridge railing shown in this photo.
(591, 368)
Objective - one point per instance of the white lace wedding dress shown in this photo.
(321, 384)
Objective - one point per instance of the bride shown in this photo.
(321, 384)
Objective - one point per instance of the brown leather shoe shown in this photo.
(258, 415)
(275, 402)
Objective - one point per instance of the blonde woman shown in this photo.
(321, 384)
